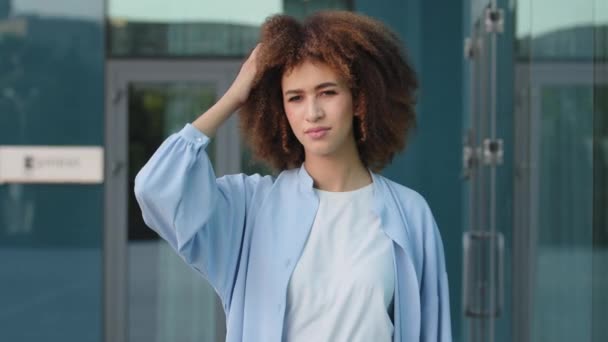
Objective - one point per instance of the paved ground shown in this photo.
(56, 295)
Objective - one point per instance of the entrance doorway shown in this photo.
(150, 293)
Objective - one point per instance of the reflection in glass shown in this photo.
(135, 39)
(561, 30)
(600, 211)
(91, 10)
(567, 189)
(189, 28)
(564, 219)
(303, 8)
(600, 174)
(186, 27)
(563, 231)
(168, 301)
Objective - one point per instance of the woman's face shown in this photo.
(319, 108)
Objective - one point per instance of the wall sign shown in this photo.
(51, 164)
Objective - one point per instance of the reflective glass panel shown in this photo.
(563, 224)
(143, 28)
(561, 51)
(51, 238)
(191, 28)
(168, 301)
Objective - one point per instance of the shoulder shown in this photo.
(409, 199)
(252, 189)
(258, 184)
(249, 182)
(268, 183)
(414, 210)
(287, 180)
(289, 175)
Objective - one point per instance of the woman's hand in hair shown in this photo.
(240, 88)
(233, 99)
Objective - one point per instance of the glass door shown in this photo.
(151, 294)
(559, 186)
(560, 155)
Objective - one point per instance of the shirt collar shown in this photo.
(306, 184)
(391, 224)
(305, 181)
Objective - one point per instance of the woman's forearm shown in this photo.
(214, 117)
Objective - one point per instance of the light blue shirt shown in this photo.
(245, 234)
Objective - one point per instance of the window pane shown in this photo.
(193, 28)
(186, 27)
(562, 53)
(167, 300)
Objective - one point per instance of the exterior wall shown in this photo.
(51, 86)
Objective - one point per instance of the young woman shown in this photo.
(328, 250)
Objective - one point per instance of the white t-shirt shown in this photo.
(343, 285)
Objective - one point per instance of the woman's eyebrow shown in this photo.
(318, 87)
(326, 85)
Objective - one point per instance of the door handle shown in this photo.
(483, 274)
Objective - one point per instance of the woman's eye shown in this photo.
(329, 92)
(294, 98)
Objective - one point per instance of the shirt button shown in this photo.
(287, 263)
(199, 139)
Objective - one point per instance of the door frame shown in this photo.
(119, 73)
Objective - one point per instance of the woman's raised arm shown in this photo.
(202, 217)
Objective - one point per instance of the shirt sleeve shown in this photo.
(202, 217)
(435, 299)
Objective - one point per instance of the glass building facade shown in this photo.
(51, 235)
(511, 152)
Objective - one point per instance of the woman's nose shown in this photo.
(314, 112)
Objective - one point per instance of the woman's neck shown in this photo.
(337, 174)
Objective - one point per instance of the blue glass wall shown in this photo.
(51, 93)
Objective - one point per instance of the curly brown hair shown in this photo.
(364, 52)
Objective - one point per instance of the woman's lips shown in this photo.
(317, 133)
